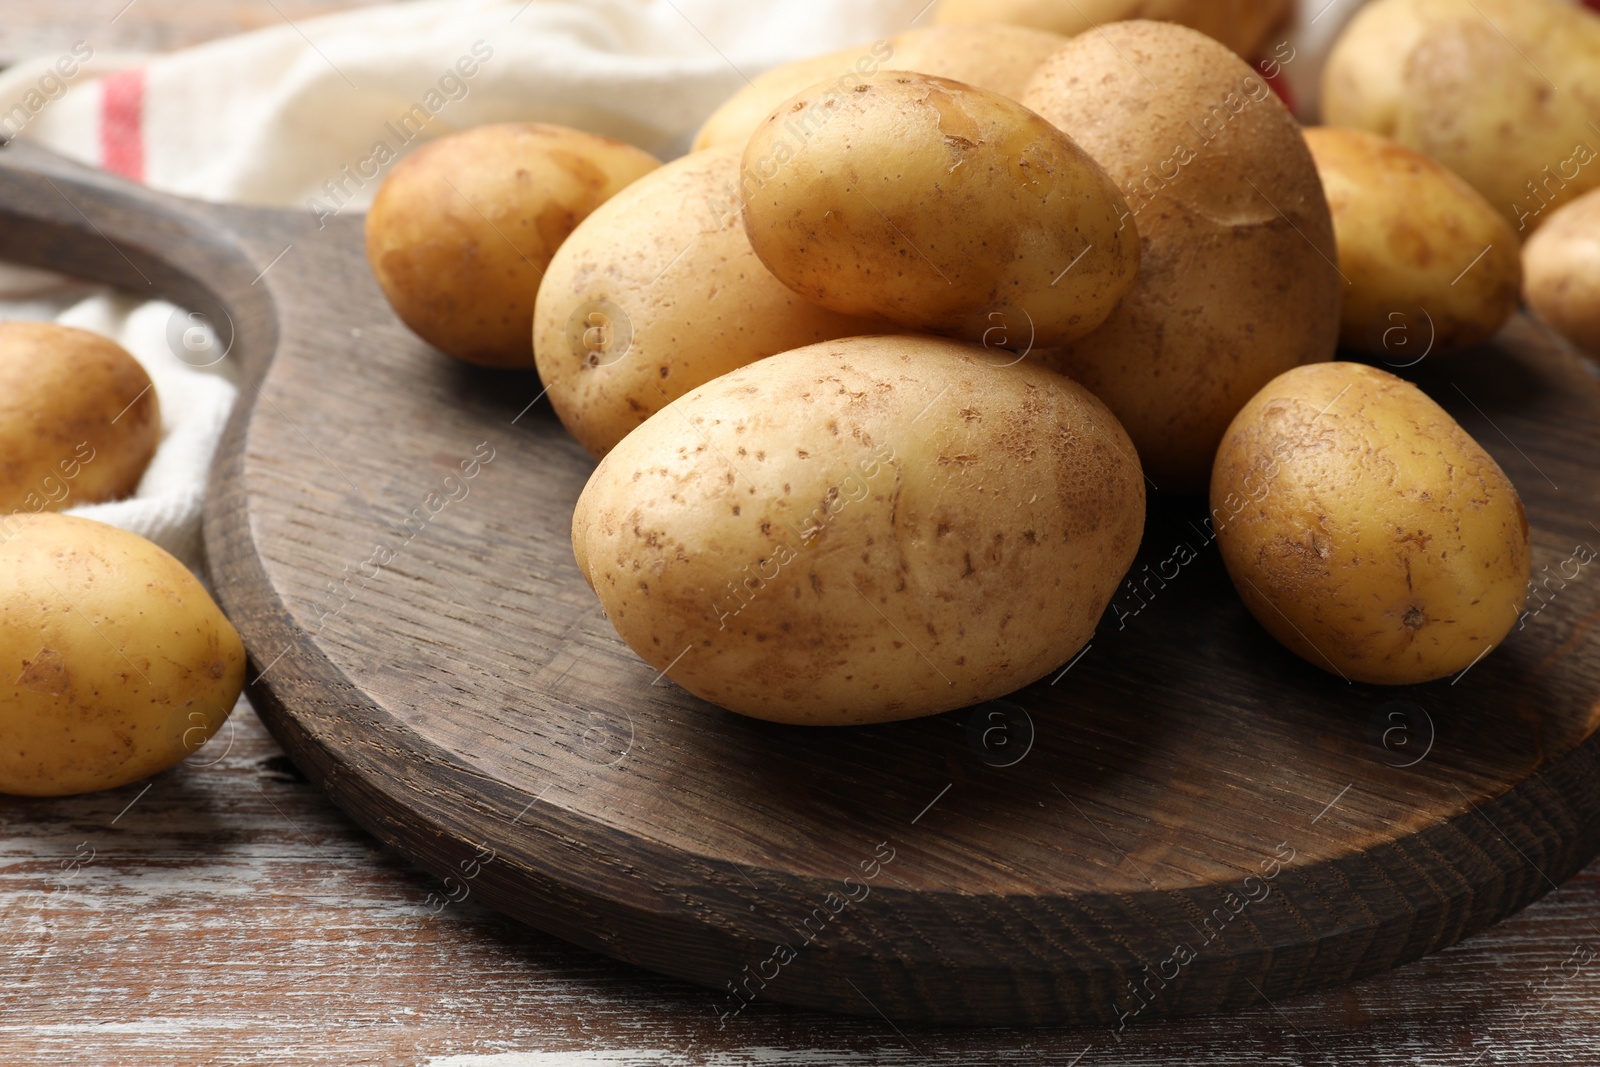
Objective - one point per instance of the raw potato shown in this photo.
(1562, 262)
(463, 229)
(117, 662)
(940, 207)
(1431, 265)
(658, 292)
(864, 530)
(989, 55)
(1238, 282)
(1365, 529)
(79, 419)
(1242, 25)
(1502, 92)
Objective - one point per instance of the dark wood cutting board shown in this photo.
(1185, 819)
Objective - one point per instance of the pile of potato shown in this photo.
(879, 375)
(118, 664)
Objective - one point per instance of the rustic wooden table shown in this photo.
(226, 913)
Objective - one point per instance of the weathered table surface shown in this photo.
(225, 912)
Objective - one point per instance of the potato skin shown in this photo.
(1464, 82)
(864, 530)
(666, 267)
(1365, 529)
(1426, 257)
(79, 419)
(462, 229)
(940, 207)
(989, 55)
(1562, 263)
(1238, 280)
(118, 662)
(1241, 25)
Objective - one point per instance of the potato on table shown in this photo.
(1430, 264)
(1365, 529)
(1503, 92)
(658, 292)
(117, 664)
(79, 418)
(988, 55)
(1562, 266)
(462, 230)
(868, 529)
(940, 207)
(1238, 281)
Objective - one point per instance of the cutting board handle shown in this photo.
(62, 216)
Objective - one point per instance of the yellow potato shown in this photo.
(989, 55)
(1562, 263)
(868, 529)
(1239, 281)
(79, 419)
(1365, 529)
(940, 207)
(1243, 25)
(1502, 92)
(1429, 264)
(118, 663)
(462, 229)
(658, 292)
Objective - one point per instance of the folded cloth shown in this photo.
(308, 116)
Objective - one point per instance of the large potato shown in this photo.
(989, 55)
(1502, 92)
(657, 292)
(463, 228)
(863, 530)
(1238, 282)
(1242, 25)
(1562, 264)
(940, 207)
(1365, 529)
(118, 663)
(1430, 264)
(79, 419)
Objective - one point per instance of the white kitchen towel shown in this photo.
(308, 115)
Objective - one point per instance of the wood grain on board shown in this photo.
(1273, 828)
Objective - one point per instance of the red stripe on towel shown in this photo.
(122, 123)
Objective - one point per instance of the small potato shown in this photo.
(79, 420)
(864, 530)
(1242, 25)
(658, 292)
(1365, 529)
(117, 662)
(1562, 262)
(1238, 281)
(988, 55)
(940, 207)
(1429, 264)
(1502, 92)
(463, 228)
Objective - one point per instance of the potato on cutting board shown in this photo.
(1238, 281)
(1430, 264)
(1562, 267)
(987, 55)
(1365, 529)
(864, 530)
(658, 292)
(1503, 92)
(940, 207)
(462, 229)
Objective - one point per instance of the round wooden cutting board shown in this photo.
(1185, 818)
